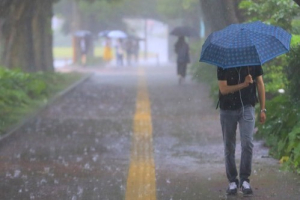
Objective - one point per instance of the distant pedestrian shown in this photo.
(129, 50)
(237, 98)
(120, 52)
(107, 51)
(183, 58)
(83, 44)
(136, 50)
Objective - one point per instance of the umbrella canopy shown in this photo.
(113, 34)
(248, 44)
(184, 31)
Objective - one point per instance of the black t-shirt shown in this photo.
(234, 76)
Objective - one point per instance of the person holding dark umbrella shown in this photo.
(239, 51)
(182, 48)
(84, 47)
(183, 57)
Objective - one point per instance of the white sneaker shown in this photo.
(246, 188)
(232, 189)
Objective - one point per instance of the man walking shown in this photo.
(182, 50)
(237, 95)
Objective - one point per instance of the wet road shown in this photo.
(130, 133)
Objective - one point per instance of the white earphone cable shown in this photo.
(239, 73)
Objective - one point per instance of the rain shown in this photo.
(121, 99)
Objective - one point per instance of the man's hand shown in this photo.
(263, 117)
(248, 80)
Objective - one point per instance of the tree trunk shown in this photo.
(218, 14)
(229, 6)
(22, 46)
(27, 36)
(42, 34)
(26, 45)
(213, 15)
(16, 31)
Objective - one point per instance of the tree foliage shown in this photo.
(276, 12)
(281, 132)
(187, 11)
(98, 15)
(279, 13)
(293, 71)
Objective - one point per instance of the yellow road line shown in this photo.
(141, 176)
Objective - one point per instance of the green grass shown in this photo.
(67, 52)
(18, 113)
(62, 52)
(295, 40)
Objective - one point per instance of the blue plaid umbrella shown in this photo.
(246, 44)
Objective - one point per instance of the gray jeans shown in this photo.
(245, 118)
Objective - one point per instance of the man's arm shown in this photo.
(298, 2)
(226, 89)
(262, 97)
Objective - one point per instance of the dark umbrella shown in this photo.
(247, 44)
(184, 31)
(82, 33)
(134, 37)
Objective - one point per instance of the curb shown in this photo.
(32, 116)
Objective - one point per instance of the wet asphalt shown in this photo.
(79, 146)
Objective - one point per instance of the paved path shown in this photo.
(130, 133)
